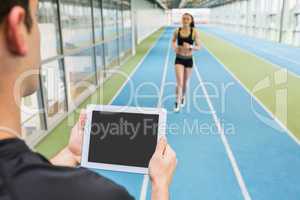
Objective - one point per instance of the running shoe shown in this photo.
(183, 102)
(177, 107)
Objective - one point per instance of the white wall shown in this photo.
(201, 15)
(147, 18)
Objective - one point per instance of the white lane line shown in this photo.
(144, 188)
(136, 68)
(253, 54)
(163, 81)
(286, 130)
(143, 194)
(266, 50)
(146, 177)
(273, 54)
(267, 45)
(221, 131)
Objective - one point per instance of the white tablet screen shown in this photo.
(123, 138)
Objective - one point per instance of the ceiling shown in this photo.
(169, 4)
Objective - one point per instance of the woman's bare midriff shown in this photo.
(184, 52)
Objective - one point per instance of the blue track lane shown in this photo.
(204, 171)
(279, 54)
(150, 71)
(269, 160)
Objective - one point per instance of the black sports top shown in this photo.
(189, 39)
(25, 175)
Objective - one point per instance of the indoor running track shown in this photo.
(241, 159)
(282, 55)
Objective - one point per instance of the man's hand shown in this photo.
(76, 137)
(71, 155)
(161, 169)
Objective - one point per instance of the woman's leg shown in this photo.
(187, 75)
(180, 79)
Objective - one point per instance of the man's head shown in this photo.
(19, 44)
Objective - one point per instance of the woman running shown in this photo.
(183, 43)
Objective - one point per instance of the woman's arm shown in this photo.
(174, 40)
(197, 41)
(197, 45)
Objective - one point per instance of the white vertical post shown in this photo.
(274, 7)
(133, 29)
(268, 18)
(297, 29)
(254, 16)
(248, 13)
(281, 28)
(258, 18)
(264, 21)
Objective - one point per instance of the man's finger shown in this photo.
(170, 153)
(82, 119)
(82, 114)
(161, 146)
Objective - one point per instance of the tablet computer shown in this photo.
(121, 138)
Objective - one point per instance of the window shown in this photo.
(72, 59)
(275, 6)
(99, 49)
(32, 113)
(110, 32)
(97, 21)
(127, 27)
(54, 90)
(32, 117)
(48, 22)
(80, 74)
(120, 30)
(76, 24)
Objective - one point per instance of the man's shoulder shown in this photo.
(76, 183)
(30, 176)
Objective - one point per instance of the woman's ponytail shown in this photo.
(193, 23)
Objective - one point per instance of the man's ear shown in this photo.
(16, 31)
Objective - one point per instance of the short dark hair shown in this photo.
(7, 5)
